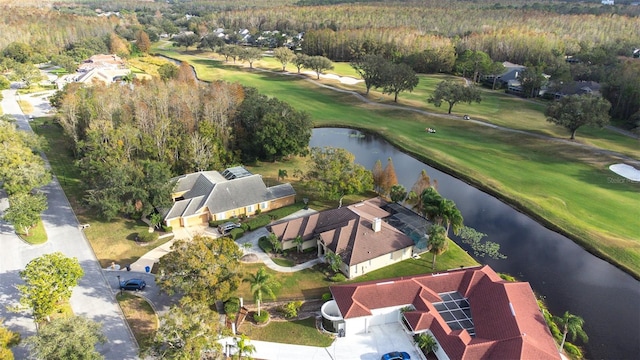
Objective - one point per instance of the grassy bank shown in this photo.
(566, 187)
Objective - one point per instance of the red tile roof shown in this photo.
(508, 322)
(348, 231)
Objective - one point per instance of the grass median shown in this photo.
(566, 187)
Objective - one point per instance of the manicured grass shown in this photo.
(284, 262)
(300, 332)
(141, 318)
(37, 235)
(567, 188)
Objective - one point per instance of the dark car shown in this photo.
(133, 284)
(396, 355)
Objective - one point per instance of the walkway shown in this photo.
(92, 298)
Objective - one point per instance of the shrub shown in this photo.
(232, 306)
(262, 318)
(167, 229)
(147, 237)
(339, 277)
(258, 222)
(326, 297)
(258, 211)
(290, 309)
(236, 233)
(573, 350)
(265, 245)
(215, 223)
(507, 277)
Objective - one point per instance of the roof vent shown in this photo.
(377, 224)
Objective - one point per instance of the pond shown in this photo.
(565, 275)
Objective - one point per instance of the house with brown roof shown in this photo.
(209, 195)
(472, 313)
(357, 233)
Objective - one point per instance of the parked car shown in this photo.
(133, 284)
(396, 355)
(226, 227)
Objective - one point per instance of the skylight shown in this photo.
(456, 311)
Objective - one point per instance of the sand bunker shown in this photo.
(343, 79)
(626, 171)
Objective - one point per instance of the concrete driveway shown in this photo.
(92, 297)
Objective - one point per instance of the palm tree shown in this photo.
(437, 242)
(451, 216)
(244, 347)
(572, 325)
(261, 283)
(298, 241)
(427, 343)
(430, 204)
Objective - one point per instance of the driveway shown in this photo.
(159, 300)
(92, 297)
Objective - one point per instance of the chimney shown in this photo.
(377, 223)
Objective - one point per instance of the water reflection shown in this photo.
(566, 275)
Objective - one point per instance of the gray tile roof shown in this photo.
(210, 189)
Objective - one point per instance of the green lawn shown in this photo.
(567, 188)
(141, 318)
(37, 234)
(300, 332)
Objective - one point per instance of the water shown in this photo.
(568, 277)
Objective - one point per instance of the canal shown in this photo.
(565, 275)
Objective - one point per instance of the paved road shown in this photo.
(93, 297)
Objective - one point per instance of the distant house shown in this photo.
(607, 2)
(577, 88)
(636, 53)
(472, 313)
(210, 195)
(511, 73)
(356, 233)
(101, 68)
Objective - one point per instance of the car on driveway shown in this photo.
(396, 355)
(226, 227)
(133, 284)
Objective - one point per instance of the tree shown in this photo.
(531, 79)
(333, 172)
(284, 55)
(397, 78)
(301, 61)
(250, 54)
(377, 174)
(49, 280)
(188, 332)
(474, 63)
(24, 211)
(427, 343)
(450, 216)
(243, 346)
(422, 183)
(571, 325)
(142, 41)
(282, 174)
(186, 40)
(430, 201)
(298, 240)
(389, 178)
(454, 92)
(204, 269)
(318, 64)
(211, 42)
(66, 338)
(575, 111)
(18, 51)
(398, 193)
(8, 339)
(438, 242)
(275, 243)
(168, 71)
(261, 283)
(371, 70)
(186, 73)
(334, 260)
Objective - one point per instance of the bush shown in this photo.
(572, 350)
(167, 229)
(232, 306)
(265, 245)
(262, 318)
(258, 222)
(215, 223)
(339, 277)
(146, 237)
(290, 309)
(258, 211)
(326, 297)
(236, 233)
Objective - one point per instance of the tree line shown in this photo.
(130, 140)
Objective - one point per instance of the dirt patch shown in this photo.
(296, 257)
(249, 258)
(309, 309)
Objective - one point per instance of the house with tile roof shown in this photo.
(472, 313)
(357, 233)
(210, 196)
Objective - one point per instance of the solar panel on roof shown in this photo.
(456, 311)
